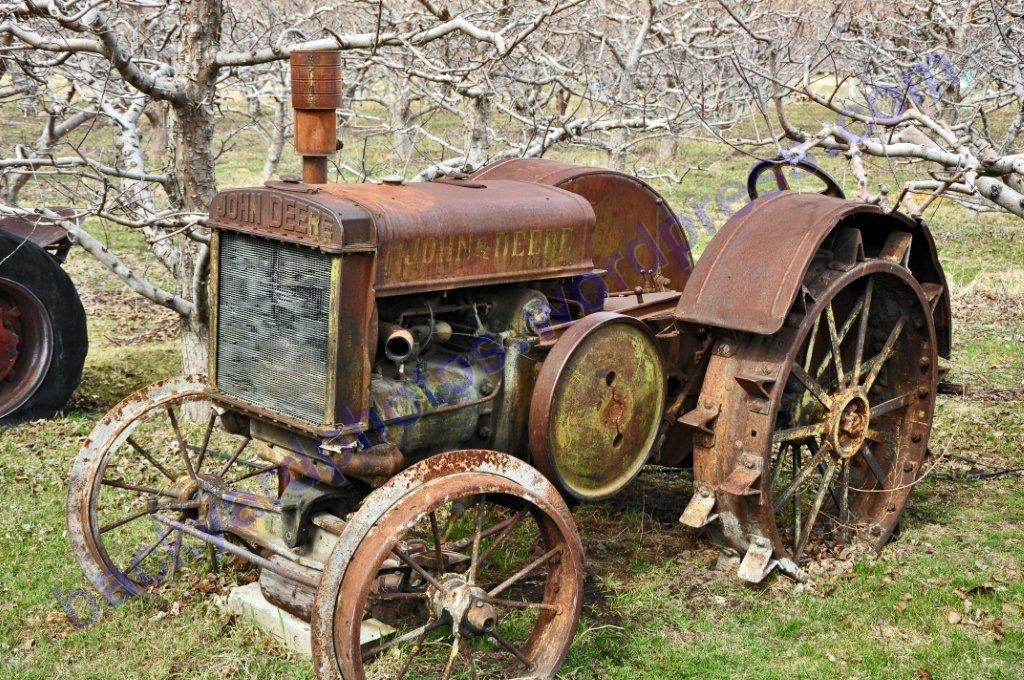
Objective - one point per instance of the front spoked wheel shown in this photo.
(138, 481)
(467, 565)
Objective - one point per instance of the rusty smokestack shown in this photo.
(316, 96)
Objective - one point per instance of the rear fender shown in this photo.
(749, 276)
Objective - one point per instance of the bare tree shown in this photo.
(92, 62)
(934, 83)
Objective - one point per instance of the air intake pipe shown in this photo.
(316, 96)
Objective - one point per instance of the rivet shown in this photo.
(890, 507)
(908, 467)
(924, 362)
(916, 437)
(876, 530)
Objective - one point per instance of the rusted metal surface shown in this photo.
(440, 235)
(638, 239)
(26, 345)
(596, 409)
(450, 590)
(748, 277)
(428, 235)
(801, 455)
(41, 231)
(317, 92)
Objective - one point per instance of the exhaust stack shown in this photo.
(316, 96)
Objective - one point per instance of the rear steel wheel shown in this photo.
(465, 565)
(139, 468)
(822, 427)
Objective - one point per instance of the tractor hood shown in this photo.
(427, 235)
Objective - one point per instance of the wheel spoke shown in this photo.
(779, 460)
(522, 573)
(843, 332)
(452, 656)
(238, 451)
(796, 498)
(206, 441)
(255, 473)
(506, 528)
(799, 433)
(511, 649)
(862, 331)
(427, 576)
(844, 501)
(809, 356)
(503, 527)
(516, 604)
(890, 405)
(837, 350)
(873, 464)
(411, 655)
(181, 441)
(887, 350)
(438, 553)
(148, 511)
(802, 475)
(812, 385)
(812, 515)
(474, 561)
(139, 559)
(138, 488)
(415, 632)
(145, 454)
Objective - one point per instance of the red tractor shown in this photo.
(43, 336)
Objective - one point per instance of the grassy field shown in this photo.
(945, 600)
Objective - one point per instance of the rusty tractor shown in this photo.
(408, 381)
(43, 336)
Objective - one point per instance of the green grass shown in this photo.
(946, 597)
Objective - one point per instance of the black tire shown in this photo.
(29, 272)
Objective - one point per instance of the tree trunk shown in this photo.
(156, 114)
(277, 137)
(479, 138)
(192, 131)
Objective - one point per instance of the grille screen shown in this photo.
(272, 325)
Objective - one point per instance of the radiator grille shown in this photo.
(272, 325)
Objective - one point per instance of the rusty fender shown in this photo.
(749, 276)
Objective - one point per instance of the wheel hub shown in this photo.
(849, 419)
(465, 605)
(9, 339)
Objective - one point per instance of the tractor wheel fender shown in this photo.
(749, 275)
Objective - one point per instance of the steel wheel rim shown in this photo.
(23, 315)
(551, 633)
(177, 499)
(867, 511)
